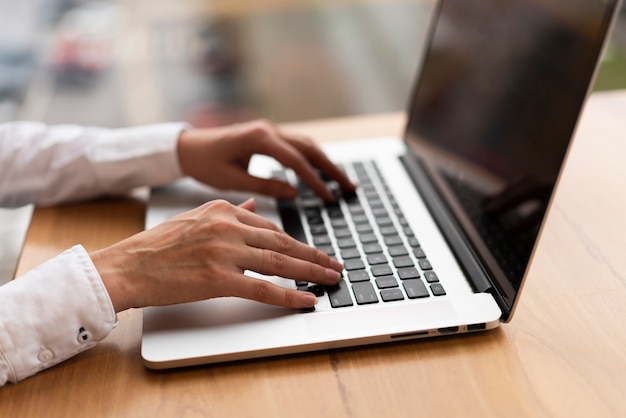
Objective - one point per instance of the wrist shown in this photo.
(113, 278)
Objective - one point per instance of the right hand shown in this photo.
(204, 253)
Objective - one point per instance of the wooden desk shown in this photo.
(562, 355)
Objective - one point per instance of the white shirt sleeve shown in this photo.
(52, 313)
(62, 308)
(45, 165)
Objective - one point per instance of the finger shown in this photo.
(272, 263)
(266, 292)
(282, 243)
(255, 220)
(268, 187)
(319, 159)
(273, 145)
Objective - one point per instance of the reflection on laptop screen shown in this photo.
(494, 111)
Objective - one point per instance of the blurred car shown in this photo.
(82, 44)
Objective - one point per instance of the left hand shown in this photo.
(220, 157)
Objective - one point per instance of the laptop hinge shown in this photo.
(450, 229)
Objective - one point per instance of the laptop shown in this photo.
(439, 236)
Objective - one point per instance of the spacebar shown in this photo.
(290, 218)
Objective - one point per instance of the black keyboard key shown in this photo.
(346, 243)
(413, 242)
(354, 264)
(437, 289)
(408, 273)
(380, 212)
(379, 258)
(355, 208)
(385, 282)
(312, 212)
(358, 276)
(339, 223)
(398, 250)
(368, 238)
(419, 252)
(319, 240)
(392, 240)
(415, 289)
(318, 229)
(364, 228)
(348, 253)
(372, 248)
(291, 219)
(369, 189)
(390, 295)
(384, 221)
(343, 233)
(315, 220)
(339, 295)
(425, 264)
(389, 230)
(364, 293)
(402, 261)
(310, 202)
(381, 270)
(328, 249)
(431, 277)
(317, 290)
(335, 213)
(371, 194)
(360, 219)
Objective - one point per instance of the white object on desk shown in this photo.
(14, 225)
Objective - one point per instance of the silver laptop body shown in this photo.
(499, 92)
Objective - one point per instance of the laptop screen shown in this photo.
(501, 88)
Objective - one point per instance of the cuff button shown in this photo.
(45, 355)
(83, 335)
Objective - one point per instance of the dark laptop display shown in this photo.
(513, 86)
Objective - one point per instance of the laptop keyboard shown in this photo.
(367, 231)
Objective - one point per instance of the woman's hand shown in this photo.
(203, 254)
(220, 157)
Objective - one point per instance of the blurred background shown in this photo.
(213, 62)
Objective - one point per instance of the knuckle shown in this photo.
(289, 298)
(262, 127)
(277, 260)
(219, 204)
(272, 262)
(319, 258)
(261, 290)
(219, 227)
(283, 241)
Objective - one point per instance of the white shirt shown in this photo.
(62, 308)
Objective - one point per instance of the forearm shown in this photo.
(50, 164)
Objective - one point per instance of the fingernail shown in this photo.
(309, 299)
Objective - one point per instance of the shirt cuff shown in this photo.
(52, 313)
